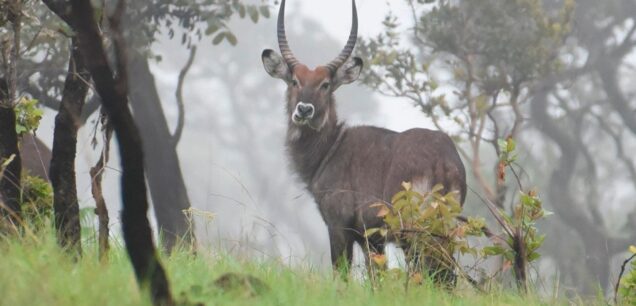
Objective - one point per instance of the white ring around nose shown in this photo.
(305, 104)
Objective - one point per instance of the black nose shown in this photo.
(305, 110)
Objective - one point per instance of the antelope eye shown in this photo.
(325, 86)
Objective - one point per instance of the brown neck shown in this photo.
(308, 147)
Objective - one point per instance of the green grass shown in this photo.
(36, 272)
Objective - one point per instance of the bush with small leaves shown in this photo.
(37, 200)
(430, 230)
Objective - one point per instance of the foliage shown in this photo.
(432, 225)
(37, 199)
(474, 61)
(45, 37)
(628, 282)
(466, 62)
(427, 219)
(484, 70)
(489, 47)
(526, 213)
(520, 231)
(4, 163)
(194, 19)
(427, 223)
(512, 42)
(28, 116)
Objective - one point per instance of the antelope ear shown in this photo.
(275, 65)
(348, 72)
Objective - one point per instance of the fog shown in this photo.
(236, 168)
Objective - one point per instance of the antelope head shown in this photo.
(310, 91)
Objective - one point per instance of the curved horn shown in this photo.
(285, 51)
(351, 43)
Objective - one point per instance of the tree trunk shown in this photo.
(10, 180)
(598, 246)
(62, 171)
(136, 227)
(165, 179)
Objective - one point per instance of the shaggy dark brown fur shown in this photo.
(349, 169)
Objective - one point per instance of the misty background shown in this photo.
(235, 166)
(232, 149)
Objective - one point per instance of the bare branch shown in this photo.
(620, 149)
(96, 173)
(608, 75)
(179, 94)
(620, 275)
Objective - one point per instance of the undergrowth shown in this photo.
(36, 272)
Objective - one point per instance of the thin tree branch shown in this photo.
(179, 95)
(609, 79)
(620, 275)
(620, 150)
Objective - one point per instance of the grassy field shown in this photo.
(36, 272)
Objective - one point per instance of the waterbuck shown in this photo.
(348, 169)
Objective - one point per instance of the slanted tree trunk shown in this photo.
(10, 180)
(165, 179)
(135, 224)
(62, 171)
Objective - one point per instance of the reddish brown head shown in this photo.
(309, 92)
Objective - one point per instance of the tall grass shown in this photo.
(35, 271)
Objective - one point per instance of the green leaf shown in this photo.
(511, 145)
(533, 256)
(28, 115)
(253, 11)
(231, 38)
(211, 29)
(428, 212)
(20, 129)
(7, 161)
(493, 250)
(241, 10)
(398, 196)
(383, 232)
(218, 38)
(369, 232)
(509, 255)
(264, 11)
(540, 240)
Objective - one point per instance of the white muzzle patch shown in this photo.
(303, 113)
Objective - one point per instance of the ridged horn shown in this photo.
(285, 51)
(351, 42)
